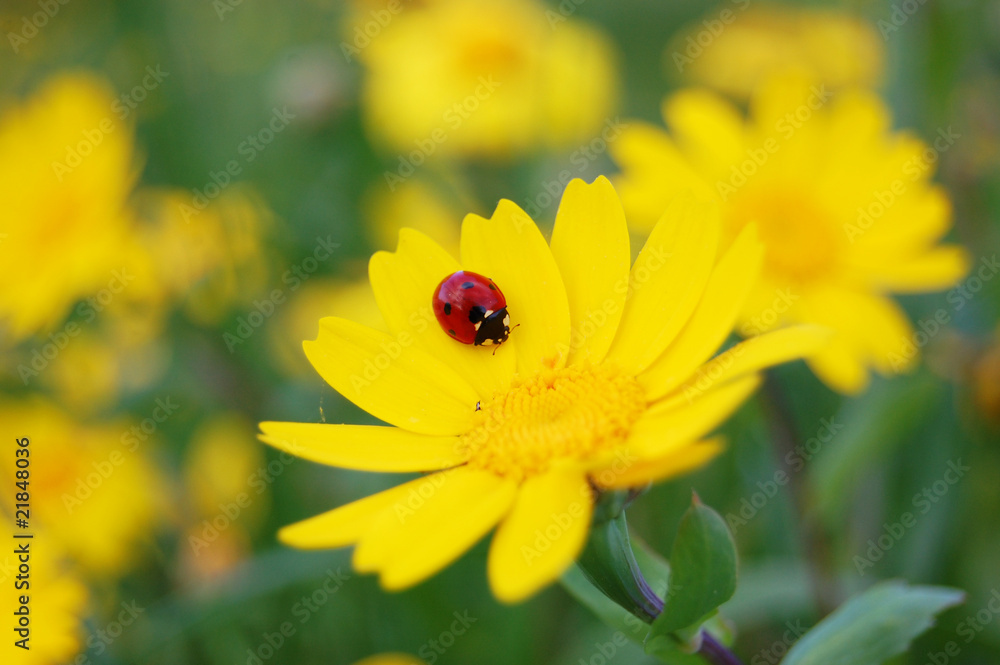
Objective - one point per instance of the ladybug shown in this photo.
(472, 309)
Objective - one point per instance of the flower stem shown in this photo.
(815, 541)
(712, 651)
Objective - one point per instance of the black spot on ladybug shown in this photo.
(447, 308)
(451, 332)
(493, 287)
(477, 313)
(467, 285)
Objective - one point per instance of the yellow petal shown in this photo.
(654, 171)
(840, 366)
(873, 327)
(940, 268)
(510, 250)
(391, 379)
(707, 128)
(345, 525)
(666, 281)
(915, 221)
(404, 283)
(671, 425)
(364, 447)
(750, 356)
(590, 244)
(713, 319)
(674, 464)
(433, 525)
(782, 94)
(542, 536)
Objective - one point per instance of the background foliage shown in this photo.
(866, 462)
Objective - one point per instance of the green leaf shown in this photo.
(609, 563)
(874, 626)
(703, 570)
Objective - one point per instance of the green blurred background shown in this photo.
(225, 77)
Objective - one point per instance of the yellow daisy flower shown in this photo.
(845, 207)
(603, 384)
(66, 171)
(485, 78)
(738, 47)
(208, 259)
(93, 487)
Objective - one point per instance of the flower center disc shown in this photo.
(566, 414)
(802, 242)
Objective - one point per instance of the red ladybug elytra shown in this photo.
(471, 309)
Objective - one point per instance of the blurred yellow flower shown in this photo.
(93, 489)
(844, 206)
(225, 504)
(55, 608)
(607, 382)
(206, 259)
(66, 171)
(220, 463)
(736, 49)
(87, 376)
(485, 78)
